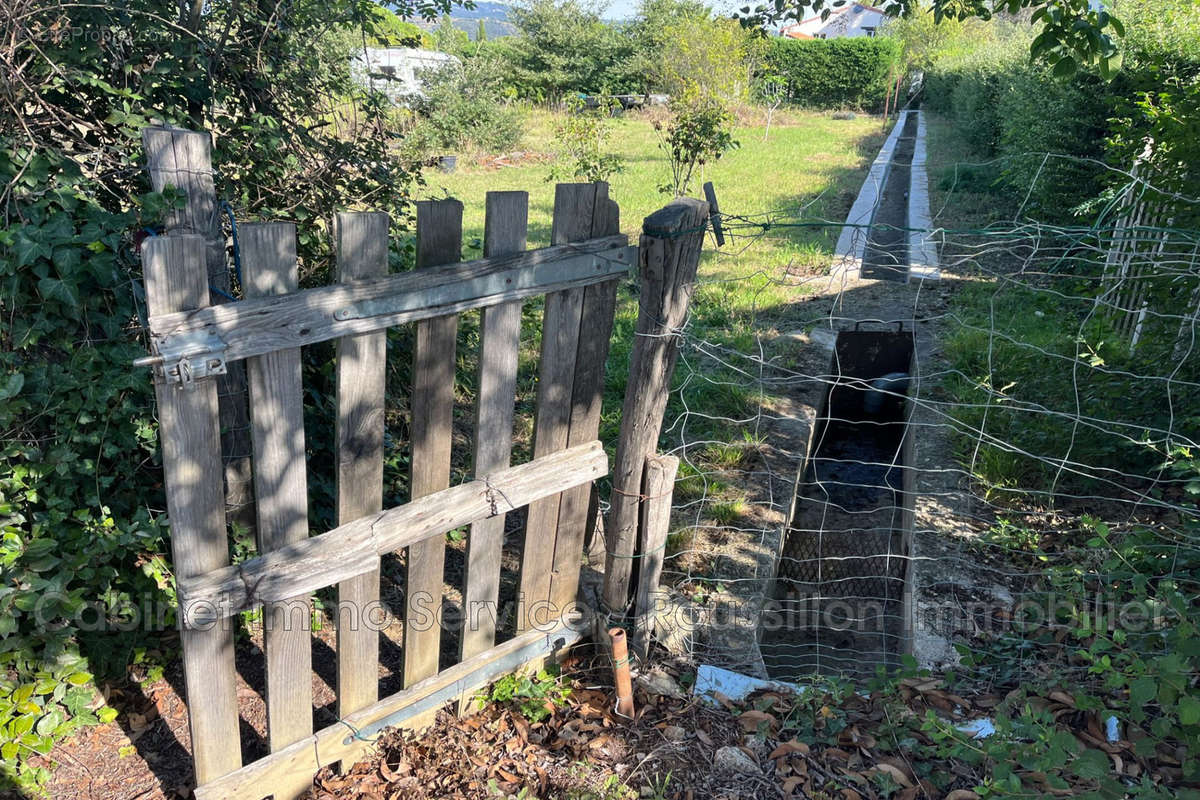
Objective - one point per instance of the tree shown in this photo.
(583, 134)
(706, 65)
(447, 38)
(711, 58)
(700, 130)
(771, 89)
(391, 31)
(481, 31)
(924, 39)
(1073, 32)
(650, 32)
(463, 107)
(565, 47)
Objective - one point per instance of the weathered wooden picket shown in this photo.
(193, 342)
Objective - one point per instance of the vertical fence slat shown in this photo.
(439, 241)
(575, 208)
(595, 333)
(281, 491)
(655, 524)
(500, 341)
(190, 436)
(362, 252)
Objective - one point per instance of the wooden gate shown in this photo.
(193, 342)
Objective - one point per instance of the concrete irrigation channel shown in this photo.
(842, 589)
(887, 234)
(841, 598)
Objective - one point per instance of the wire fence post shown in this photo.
(668, 256)
(655, 525)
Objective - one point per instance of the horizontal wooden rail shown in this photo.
(352, 549)
(262, 325)
(332, 744)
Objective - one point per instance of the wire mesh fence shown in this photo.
(1002, 463)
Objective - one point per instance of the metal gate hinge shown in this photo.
(185, 358)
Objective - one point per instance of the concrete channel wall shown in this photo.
(922, 243)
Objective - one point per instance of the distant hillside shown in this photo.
(497, 11)
(494, 16)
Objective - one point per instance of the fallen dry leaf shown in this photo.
(751, 720)
(787, 748)
(895, 772)
(789, 785)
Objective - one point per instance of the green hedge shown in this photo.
(1017, 111)
(835, 73)
(1005, 106)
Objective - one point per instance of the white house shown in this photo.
(396, 71)
(851, 20)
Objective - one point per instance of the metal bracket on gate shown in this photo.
(185, 358)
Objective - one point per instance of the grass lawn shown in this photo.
(809, 160)
(805, 156)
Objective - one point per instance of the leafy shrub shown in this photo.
(564, 47)
(969, 85)
(448, 38)
(651, 34)
(698, 132)
(535, 697)
(81, 536)
(584, 134)
(710, 58)
(1005, 105)
(463, 108)
(79, 548)
(835, 73)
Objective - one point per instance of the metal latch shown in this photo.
(187, 357)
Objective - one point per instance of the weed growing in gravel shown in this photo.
(536, 697)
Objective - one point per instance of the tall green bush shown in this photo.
(1007, 106)
(81, 527)
(835, 73)
(564, 48)
(463, 107)
(712, 58)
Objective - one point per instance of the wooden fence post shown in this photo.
(668, 257)
(439, 241)
(362, 252)
(190, 437)
(657, 489)
(183, 159)
(281, 489)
